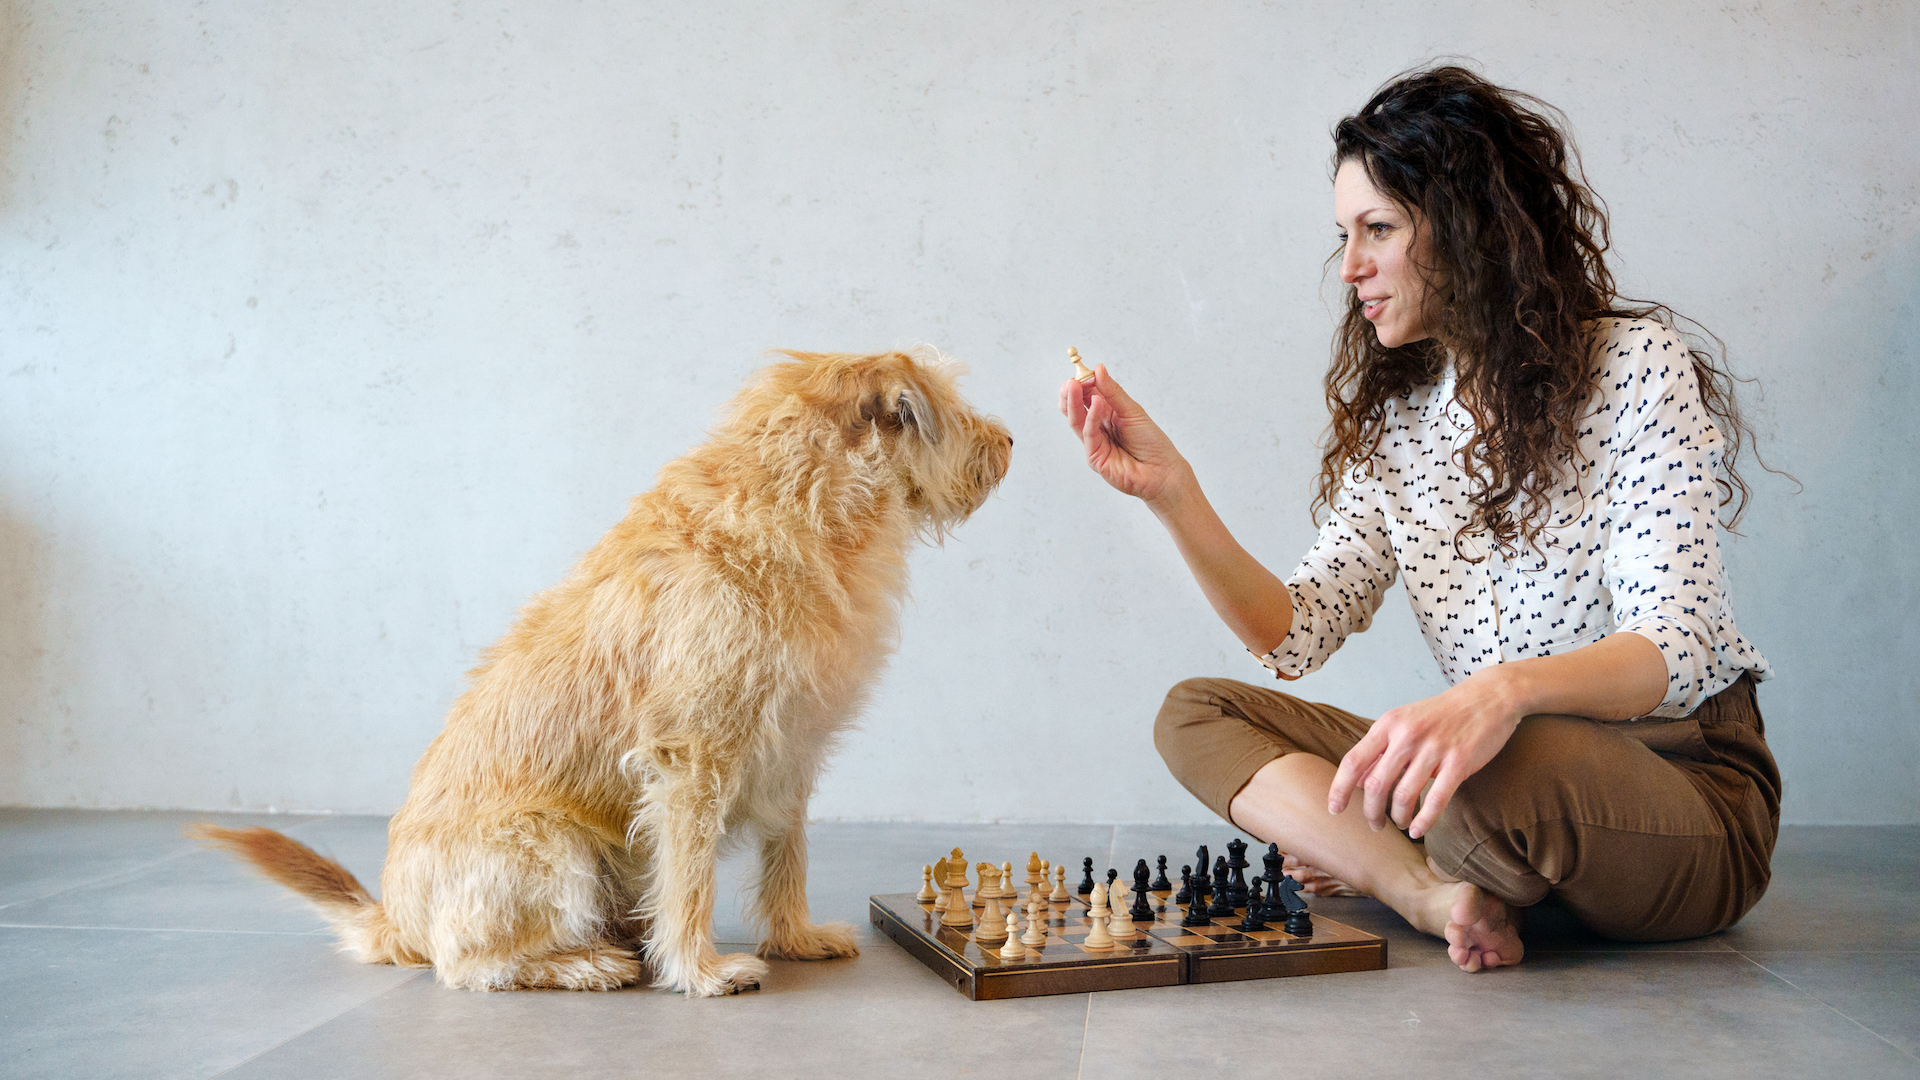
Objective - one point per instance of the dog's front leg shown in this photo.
(781, 909)
(683, 819)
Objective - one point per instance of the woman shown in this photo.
(1538, 461)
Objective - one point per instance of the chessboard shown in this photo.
(1156, 952)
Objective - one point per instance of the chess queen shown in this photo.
(1544, 464)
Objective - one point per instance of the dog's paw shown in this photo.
(729, 974)
(823, 942)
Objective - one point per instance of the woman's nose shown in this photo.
(1352, 267)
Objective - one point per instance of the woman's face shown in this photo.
(1382, 258)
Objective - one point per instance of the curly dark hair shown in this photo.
(1516, 242)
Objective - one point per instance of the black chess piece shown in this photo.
(1222, 906)
(1186, 885)
(1237, 863)
(1202, 863)
(1086, 883)
(1112, 875)
(1272, 860)
(1256, 912)
(1299, 922)
(1142, 909)
(1160, 882)
(1197, 907)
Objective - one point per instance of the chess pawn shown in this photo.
(926, 895)
(1222, 906)
(1160, 883)
(1081, 373)
(1098, 937)
(1005, 881)
(958, 911)
(1256, 911)
(1012, 950)
(1120, 921)
(1059, 894)
(1035, 872)
(940, 884)
(1036, 934)
(1046, 875)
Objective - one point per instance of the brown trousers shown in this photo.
(1647, 830)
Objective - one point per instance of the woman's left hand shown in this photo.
(1445, 738)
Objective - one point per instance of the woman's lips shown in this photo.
(1371, 308)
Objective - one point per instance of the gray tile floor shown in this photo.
(126, 951)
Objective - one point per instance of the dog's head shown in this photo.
(894, 417)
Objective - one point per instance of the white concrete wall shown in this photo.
(331, 331)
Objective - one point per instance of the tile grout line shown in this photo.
(156, 929)
(316, 1025)
(105, 879)
(1827, 1005)
(1086, 1027)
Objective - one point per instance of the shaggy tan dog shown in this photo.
(683, 684)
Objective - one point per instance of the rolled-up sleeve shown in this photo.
(1662, 560)
(1338, 585)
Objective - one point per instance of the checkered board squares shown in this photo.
(1159, 953)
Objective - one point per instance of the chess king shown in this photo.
(1541, 462)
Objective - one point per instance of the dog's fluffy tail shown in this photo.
(365, 932)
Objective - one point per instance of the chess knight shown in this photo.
(684, 684)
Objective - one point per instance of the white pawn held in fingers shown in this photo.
(926, 895)
(1036, 934)
(1098, 937)
(1081, 372)
(1120, 923)
(1059, 894)
(1012, 950)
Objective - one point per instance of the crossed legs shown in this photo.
(1638, 845)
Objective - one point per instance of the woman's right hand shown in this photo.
(1123, 444)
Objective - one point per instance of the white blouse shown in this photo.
(1632, 544)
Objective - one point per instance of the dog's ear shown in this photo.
(917, 415)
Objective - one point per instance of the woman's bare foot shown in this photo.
(1315, 881)
(1481, 930)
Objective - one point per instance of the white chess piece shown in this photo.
(988, 894)
(1081, 372)
(940, 883)
(1059, 894)
(958, 911)
(1036, 935)
(1098, 937)
(1012, 950)
(926, 895)
(1046, 875)
(1005, 892)
(1120, 924)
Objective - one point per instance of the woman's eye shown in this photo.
(1378, 229)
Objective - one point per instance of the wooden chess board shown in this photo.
(1160, 953)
